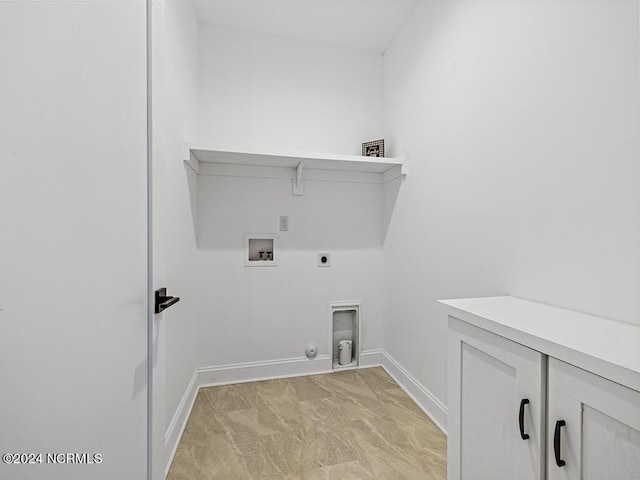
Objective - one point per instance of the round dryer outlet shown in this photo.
(324, 259)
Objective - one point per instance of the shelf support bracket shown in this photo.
(298, 184)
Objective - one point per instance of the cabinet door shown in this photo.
(496, 407)
(594, 426)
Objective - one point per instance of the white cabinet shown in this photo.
(580, 375)
(495, 415)
(594, 426)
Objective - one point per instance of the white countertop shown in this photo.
(605, 347)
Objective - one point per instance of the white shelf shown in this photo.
(314, 161)
(286, 164)
(608, 348)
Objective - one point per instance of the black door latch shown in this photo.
(163, 301)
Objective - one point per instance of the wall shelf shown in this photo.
(295, 165)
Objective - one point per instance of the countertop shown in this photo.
(605, 347)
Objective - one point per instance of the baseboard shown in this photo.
(429, 404)
(371, 358)
(256, 371)
(179, 420)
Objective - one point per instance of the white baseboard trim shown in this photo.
(179, 420)
(257, 371)
(429, 404)
(371, 358)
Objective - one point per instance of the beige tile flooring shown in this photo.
(356, 424)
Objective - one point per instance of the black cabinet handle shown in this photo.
(523, 402)
(556, 443)
(163, 301)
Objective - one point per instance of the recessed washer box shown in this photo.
(260, 249)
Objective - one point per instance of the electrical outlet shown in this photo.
(284, 224)
(324, 259)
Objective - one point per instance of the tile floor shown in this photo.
(356, 424)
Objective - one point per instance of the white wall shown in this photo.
(255, 314)
(73, 256)
(520, 123)
(174, 99)
(264, 91)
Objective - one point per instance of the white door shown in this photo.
(73, 240)
(496, 407)
(594, 426)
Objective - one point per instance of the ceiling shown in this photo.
(368, 25)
